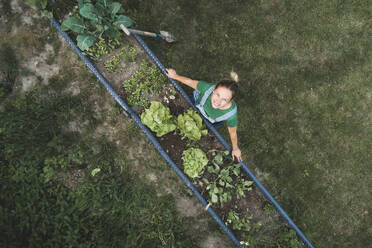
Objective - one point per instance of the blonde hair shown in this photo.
(234, 76)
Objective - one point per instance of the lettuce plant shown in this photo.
(99, 18)
(194, 161)
(191, 125)
(158, 119)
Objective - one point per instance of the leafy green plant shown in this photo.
(102, 47)
(128, 53)
(242, 186)
(112, 64)
(159, 119)
(100, 18)
(238, 222)
(220, 189)
(223, 187)
(191, 125)
(146, 80)
(194, 161)
(247, 240)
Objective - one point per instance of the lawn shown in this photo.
(304, 101)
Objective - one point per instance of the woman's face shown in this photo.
(221, 97)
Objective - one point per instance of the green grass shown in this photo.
(304, 101)
(303, 104)
(38, 159)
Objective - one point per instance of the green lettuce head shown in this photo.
(191, 125)
(194, 161)
(158, 119)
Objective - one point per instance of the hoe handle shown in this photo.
(134, 31)
(128, 31)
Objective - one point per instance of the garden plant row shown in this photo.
(180, 129)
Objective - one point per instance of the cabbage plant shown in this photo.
(158, 119)
(194, 161)
(191, 125)
(98, 18)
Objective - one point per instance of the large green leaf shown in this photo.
(105, 3)
(114, 8)
(121, 10)
(82, 2)
(125, 20)
(75, 24)
(88, 11)
(110, 32)
(85, 41)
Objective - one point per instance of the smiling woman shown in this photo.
(215, 103)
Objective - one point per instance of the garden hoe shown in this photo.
(163, 34)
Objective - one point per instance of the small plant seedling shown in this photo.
(102, 47)
(247, 240)
(238, 222)
(112, 64)
(146, 80)
(128, 54)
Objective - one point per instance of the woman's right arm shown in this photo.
(171, 73)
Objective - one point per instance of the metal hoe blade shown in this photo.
(167, 36)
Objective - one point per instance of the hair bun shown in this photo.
(234, 76)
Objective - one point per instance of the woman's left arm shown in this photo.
(234, 142)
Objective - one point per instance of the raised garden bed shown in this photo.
(222, 183)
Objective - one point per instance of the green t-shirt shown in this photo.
(213, 113)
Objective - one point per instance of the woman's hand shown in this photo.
(237, 154)
(171, 73)
(234, 142)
